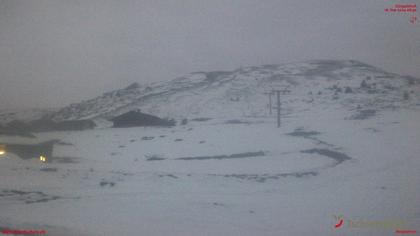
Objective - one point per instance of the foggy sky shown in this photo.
(53, 53)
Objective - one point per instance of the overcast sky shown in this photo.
(53, 53)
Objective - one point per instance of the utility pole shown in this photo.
(278, 108)
(269, 101)
(279, 103)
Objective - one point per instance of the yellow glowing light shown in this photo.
(42, 158)
(2, 150)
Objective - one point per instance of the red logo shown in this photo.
(398, 231)
(340, 221)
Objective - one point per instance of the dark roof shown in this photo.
(133, 114)
(137, 118)
(16, 128)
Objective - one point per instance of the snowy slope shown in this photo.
(237, 173)
(242, 92)
(183, 180)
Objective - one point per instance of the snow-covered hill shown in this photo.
(237, 175)
(242, 92)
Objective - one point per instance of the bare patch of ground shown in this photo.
(169, 175)
(339, 157)
(65, 160)
(201, 119)
(264, 177)
(363, 114)
(374, 130)
(301, 132)
(155, 158)
(48, 169)
(221, 157)
(27, 197)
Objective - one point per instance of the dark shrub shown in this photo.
(348, 90)
(406, 95)
(364, 84)
(184, 121)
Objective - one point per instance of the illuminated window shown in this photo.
(42, 158)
